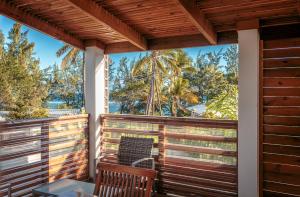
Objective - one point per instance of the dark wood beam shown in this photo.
(173, 42)
(298, 7)
(38, 24)
(97, 12)
(289, 20)
(280, 32)
(198, 19)
(248, 24)
(97, 43)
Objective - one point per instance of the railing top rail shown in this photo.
(184, 121)
(42, 120)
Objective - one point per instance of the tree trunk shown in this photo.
(150, 100)
(158, 99)
(174, 108)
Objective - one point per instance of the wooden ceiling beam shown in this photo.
(97, 43)
(298, 7)
(248, 24)
(198, 19)
(38, 24)
(92, 9)
(172, 42)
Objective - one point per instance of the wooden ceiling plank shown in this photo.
(97, 12)
(38, 24)
(198, 19)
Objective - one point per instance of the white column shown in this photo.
(248, 123)
(94, 99)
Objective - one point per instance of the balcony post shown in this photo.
(248, 123)
(95, 90)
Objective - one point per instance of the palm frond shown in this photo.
(140, 64)
(68, 58)
(161, 67)
(63, 50)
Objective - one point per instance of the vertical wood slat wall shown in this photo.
(280, 115)
(35, 152)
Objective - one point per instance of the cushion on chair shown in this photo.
(132, 149)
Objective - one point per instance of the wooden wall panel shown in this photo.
(35, 152)
(280, 101)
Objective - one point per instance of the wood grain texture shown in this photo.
(42, 151)
(39, 24)
(198, 19)
(141, 22)
(280, 102)
(178, 172)
(101, 15)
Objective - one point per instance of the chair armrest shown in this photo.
(144, 159)
(97, 160)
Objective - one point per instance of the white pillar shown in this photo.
(94, 99)
(248, 123)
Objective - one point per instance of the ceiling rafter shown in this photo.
(97, 12)
(38, 24)
(198, 19)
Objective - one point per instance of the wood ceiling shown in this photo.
(134, 25)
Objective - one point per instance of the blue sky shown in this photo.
(46, 46)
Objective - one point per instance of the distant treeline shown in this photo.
(159, 83)
(167, 82)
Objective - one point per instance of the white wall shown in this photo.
(94, 99)
(248, 184)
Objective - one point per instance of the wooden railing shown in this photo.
(41, 151)
(194, 157)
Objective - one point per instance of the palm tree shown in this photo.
(157, 63)
(70, 53)
(183, 63)
(179, 89)
(75, 57)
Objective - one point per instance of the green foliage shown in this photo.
(23, 89)
(156, 64)
(225, 105)
(232, 64)
(168, 82)
(180, 93)
(208, 80)
(66, 82)
(154, 84)
(130, 90)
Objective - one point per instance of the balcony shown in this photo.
(194, 157)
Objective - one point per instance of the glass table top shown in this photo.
(66, 187)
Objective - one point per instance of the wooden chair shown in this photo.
(115, 180)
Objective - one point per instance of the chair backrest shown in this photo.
(123, 181)
(132, 149)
